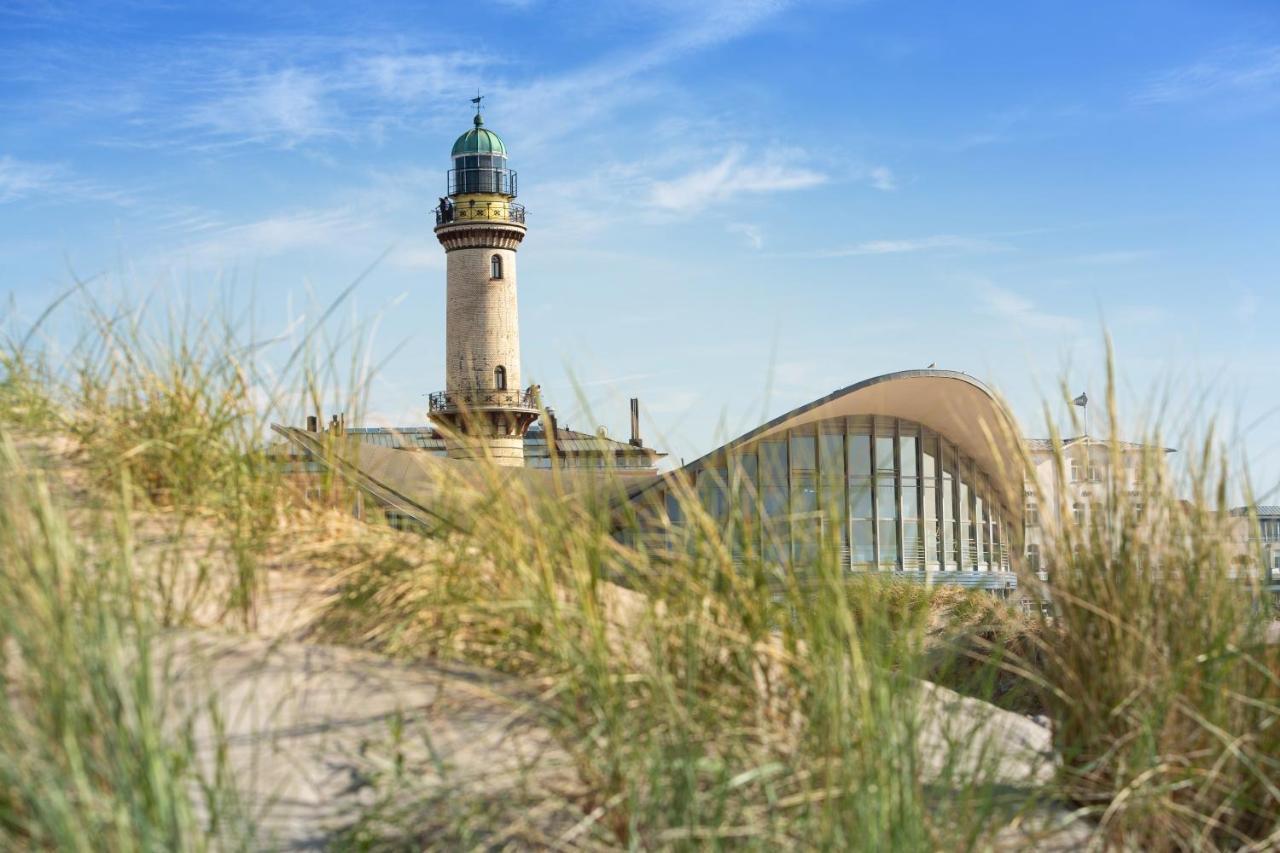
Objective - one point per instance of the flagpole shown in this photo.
(1083, 402)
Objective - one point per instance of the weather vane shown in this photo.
(476, 100)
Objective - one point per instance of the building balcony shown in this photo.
(482, 399)
(449, 212)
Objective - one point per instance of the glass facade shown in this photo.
(884, 493)
(481, 173)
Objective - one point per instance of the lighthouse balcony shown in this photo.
(473, 210)
(481, 399)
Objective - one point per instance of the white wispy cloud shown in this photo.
(275, 235)
(1247, 72)
(288, 106)
(754, 234)
(294, 90)
(548, 108)
(1021, 312)
(55, 182)
(414, 76)
(935, 243)
(19, 178)
(733, 175)
(881, 178)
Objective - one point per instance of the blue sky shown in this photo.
(735, 207)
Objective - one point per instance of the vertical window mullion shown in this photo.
(875, 495)
(897, 492)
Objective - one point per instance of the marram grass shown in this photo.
(89, 757)
(1164, 692)
(705, 701)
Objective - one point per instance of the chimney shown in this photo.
(635, 423)
(313, 423)
(552, 427)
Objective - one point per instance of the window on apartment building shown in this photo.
(500, 378)
(1077, 512)
(1031, 518)
(1033, 557)
(1095, 473)
(495, 266)
(1075, 471)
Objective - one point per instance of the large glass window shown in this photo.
(950, 521)
(929, 478)
(774, 505)
(886, 494)
(964, 522)
(712, 492)
(981, 522)
(805, 524)
(833, 488)
(908, 466)
(861, 511)
(887, 524)
(999, 554)
(907, 446)
(675, 512)
(745, 493)
(884, 449)
(883, 493)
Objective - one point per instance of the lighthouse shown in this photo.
(483, 410)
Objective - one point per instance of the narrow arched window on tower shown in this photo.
(500, 377)
(495, 266)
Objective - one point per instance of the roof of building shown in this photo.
(951, 403)
(1263, 511)
(432, 488)
(479, 140)
(1046, 444)
(428, 438)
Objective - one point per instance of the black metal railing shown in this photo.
(490, 180)
(481, 398)
(478, 211)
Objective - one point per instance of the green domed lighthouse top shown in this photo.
(479, 140)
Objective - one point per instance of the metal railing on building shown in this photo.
(479, 211)
(484, 398)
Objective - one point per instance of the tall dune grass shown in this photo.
(706, 703)
(706, 698)
(89, 757)
(174, 399)
(1164, 694)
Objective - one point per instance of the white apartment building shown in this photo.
(1084, 481)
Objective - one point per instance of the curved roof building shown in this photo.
(916, 473)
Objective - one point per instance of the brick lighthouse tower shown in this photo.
(482, 410)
